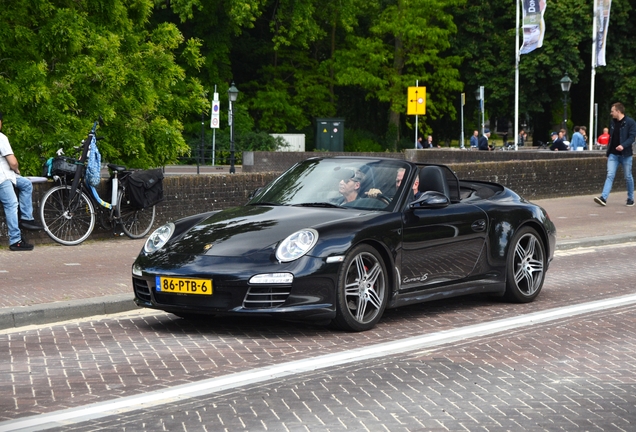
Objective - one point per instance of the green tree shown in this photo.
(486, 43)
(64, 63)
(405, 41)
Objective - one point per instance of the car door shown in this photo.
(441, 245)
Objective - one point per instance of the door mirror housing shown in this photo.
(430, 200)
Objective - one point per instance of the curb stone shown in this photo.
(61, 311)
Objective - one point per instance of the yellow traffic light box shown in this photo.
(416, 102)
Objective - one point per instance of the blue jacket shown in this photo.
(627, 130)
(577, 141)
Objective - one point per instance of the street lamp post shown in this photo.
(232, 94)
(566, 82)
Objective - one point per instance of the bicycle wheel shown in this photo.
(65, 222)
(134, 221)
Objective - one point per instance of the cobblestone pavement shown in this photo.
(574, 373)
(578, 377)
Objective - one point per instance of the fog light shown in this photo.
(136, 270)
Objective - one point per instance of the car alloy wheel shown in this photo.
(526, 266)
(362, 290)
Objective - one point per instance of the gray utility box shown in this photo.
(330, 134)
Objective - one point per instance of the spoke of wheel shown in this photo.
(360, 267)
(372, 276)
(374, 299)
(362, 308)
(532, 244)
(520, 251)
(520, 274)
(351, 289)
(536, 265)
(530, 279)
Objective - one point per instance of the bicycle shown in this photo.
(67, 211)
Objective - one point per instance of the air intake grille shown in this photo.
(259, 297)
(141, 289)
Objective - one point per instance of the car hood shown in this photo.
(246, 230)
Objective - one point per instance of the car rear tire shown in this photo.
(525, 271)
(362, 291)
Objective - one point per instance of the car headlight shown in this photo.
(296, 245)
(159, 237)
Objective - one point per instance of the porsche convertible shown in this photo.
(338, 240)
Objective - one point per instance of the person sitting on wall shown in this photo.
(603, 139)
(483, 141)
(557, 142)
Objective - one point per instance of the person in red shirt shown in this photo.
(604, 138)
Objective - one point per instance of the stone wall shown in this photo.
(540, 179)
(534, 179)
(280, 161)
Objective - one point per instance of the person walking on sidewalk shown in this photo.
(10, 178)
(619, 151)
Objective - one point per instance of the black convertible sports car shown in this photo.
(338, 240)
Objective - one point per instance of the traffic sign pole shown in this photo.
(214, 121)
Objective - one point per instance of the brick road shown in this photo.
(574, 373)
(582, 379)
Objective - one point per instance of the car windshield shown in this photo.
(340, 182)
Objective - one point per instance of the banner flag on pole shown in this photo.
(533, 25)
(603, 17)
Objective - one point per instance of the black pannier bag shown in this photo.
(145, 188)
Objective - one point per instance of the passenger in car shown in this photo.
(374, 192)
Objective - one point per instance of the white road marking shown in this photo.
(209, 386)
(592, 249)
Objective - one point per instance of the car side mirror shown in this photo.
(430, 200)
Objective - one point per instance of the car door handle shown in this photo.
(479, 225)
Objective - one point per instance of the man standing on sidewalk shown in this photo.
(10, 178)
(619, 151)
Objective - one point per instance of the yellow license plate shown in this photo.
(184, 286)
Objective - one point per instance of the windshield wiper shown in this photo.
(318, 204)
(267, 203)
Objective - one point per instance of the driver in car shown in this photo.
(349, 187)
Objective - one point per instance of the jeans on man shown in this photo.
(612, 165)
(25, 194)
(9, 201)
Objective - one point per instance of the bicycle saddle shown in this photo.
(117, 168)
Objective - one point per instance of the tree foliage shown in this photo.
(149, 67)
(65, 63)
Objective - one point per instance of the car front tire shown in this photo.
(362, 291)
